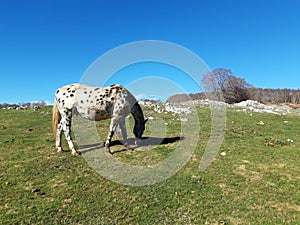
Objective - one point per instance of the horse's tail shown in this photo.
(56, 117)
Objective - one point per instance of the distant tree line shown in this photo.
(221, 85)
(24, 105)
(275, 95)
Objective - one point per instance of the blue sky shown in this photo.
(47, 44)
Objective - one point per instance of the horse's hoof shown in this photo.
(129, 148)
(75, 153)
(107, 149)
(60, 150)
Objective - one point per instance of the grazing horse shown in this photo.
(95, 103)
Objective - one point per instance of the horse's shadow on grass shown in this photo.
(146, 141)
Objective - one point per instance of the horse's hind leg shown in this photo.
(58, 137)
(66, 127)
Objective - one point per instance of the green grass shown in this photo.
(255, 183)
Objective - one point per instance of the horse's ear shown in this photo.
(146, 119)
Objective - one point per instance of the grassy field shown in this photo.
(256, 182)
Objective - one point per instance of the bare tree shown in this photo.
(223, 83)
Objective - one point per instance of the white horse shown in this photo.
(95, 103)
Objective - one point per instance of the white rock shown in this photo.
(223, 153)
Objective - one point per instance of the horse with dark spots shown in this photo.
(95, 103)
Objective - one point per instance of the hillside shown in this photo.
(254, 178)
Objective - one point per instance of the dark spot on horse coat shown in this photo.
(71, 95)
(57, 91)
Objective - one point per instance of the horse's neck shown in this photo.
(137, 113)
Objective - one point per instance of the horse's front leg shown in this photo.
(124, 133)
(112, 129)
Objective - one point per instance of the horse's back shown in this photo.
(91, 102)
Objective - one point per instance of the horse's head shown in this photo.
(138, 130)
